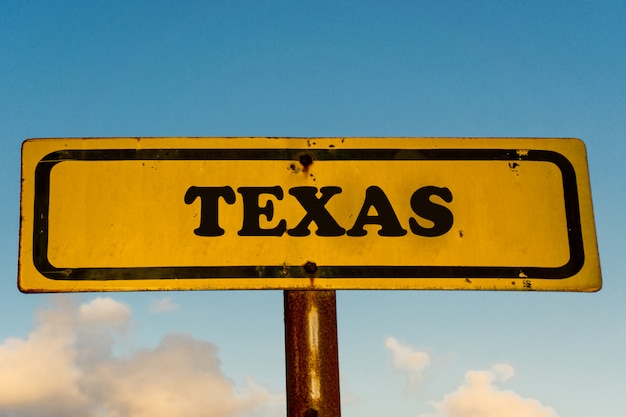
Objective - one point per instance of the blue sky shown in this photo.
(367, 68)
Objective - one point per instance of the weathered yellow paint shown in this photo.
(110, 214)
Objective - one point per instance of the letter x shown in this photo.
(316, 212)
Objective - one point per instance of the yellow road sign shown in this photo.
(117, 214)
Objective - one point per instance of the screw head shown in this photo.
(310, 267)
(306, 160)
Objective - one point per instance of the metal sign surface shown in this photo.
(123, 214)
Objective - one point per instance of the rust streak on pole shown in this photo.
(311, 353)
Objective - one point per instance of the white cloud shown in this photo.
(65, 368)
(406, 359)
(479, 396)
(503, 372)
(163, 305)
(42, 368)
(104, 310)
(180, 377)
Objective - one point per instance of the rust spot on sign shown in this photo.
(306, 160)
(310, 268)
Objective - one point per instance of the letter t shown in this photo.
(209, 197)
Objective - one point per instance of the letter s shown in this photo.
(422, 206)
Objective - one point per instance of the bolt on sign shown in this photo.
(123, 214)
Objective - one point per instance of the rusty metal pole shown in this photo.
(311, 352)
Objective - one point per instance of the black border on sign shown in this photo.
(42, 197)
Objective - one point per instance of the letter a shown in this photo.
(386, 217)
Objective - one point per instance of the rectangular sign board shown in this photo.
(125, 214)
